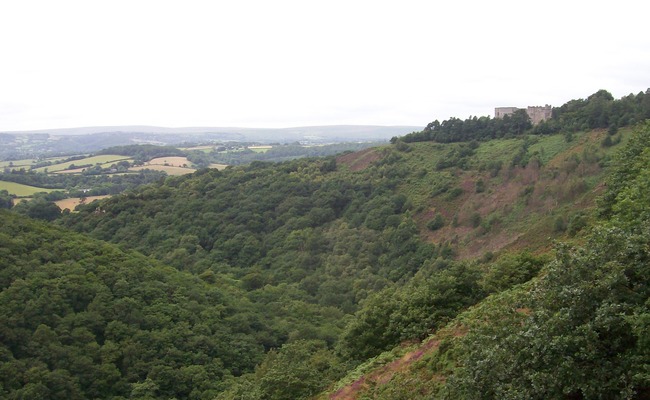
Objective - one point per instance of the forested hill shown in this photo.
(378, 237)
(274, 281)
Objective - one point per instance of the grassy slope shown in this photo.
(518, 206)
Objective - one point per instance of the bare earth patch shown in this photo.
(73, 202)
(360, 160)
(171, 161)
(383, 374)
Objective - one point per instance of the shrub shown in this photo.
(436, 223)
(475, 220)
(480, 186)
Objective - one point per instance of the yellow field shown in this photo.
(169, 169)
(206, 149)
(70, 171)
(218, 166)
(171, 161)
(102, 160)
(260, 149)
(21, 190)
(73, 202)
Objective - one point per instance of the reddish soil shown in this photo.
(383, 374)
(543, 189)
(359, 160)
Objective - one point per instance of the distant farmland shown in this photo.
(101, 160)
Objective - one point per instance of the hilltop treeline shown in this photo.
(600, 110)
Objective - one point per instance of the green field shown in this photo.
(26, 163)
(21, 190)
(103, 159)
(17, 163)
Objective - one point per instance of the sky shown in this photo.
(284, 63)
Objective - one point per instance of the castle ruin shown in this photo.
(536, 114)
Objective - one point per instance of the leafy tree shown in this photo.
(436, 223)
(39, 208)
(298, 370)
(5, 199)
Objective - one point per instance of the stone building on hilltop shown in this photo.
(536, 114)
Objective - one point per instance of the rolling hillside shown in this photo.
(332, 233)
(496, 262)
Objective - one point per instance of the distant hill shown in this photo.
(90, 139)
(341, 131)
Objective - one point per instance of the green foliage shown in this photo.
(88, 185)
(298, 370)
(473, 128)
(629, 164)
(82, 319)
(475, 220)
(607, 142)
(510, 270)
(436, 223)
(6, 200)
(576, 223)
(454, 193)
(298, 258)
(480, 186)
(281, 153)
(39, 208)
(424, 304)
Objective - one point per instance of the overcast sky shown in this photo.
(261, 63)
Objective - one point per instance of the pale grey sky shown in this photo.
(283, 63)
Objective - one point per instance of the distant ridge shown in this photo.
(90, 139)
(375, 131)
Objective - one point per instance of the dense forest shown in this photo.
(521, 260)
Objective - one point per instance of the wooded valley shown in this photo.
(481, 259)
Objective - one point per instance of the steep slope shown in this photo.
(308, 242)
(579, 330)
